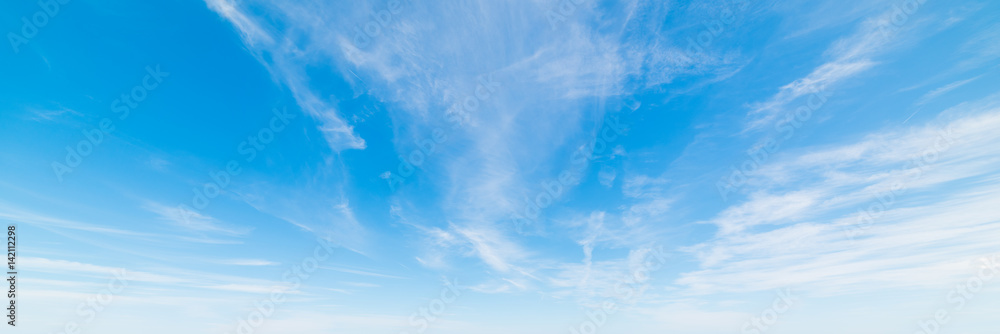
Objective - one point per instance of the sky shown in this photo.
(534, 166)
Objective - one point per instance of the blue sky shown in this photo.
(502, 166)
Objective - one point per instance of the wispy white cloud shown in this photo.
(982, 48)
(421, 67)
(361, 272)
(315, 202)
(251, 32)
(177, 278)
(607, 176)
(19, 215)
(194, 221)
(50, 114)
(847, 58)
(945, 89)
(554, 86)
(492, 247)
(795, 229)
(247, 262)
(283, 59)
